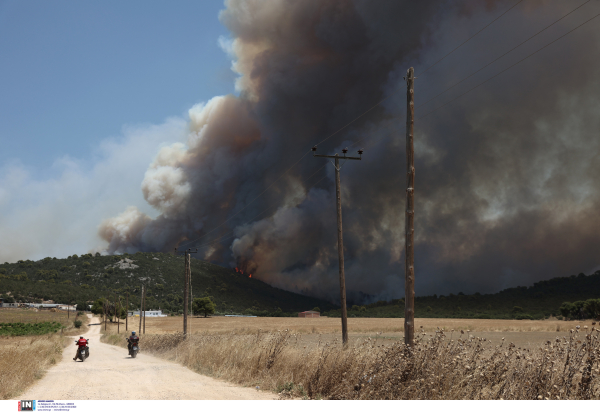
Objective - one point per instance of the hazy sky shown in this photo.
(142, 126)
(74, 73)
(89, 91)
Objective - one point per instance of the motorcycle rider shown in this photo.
(131, 339)
(82, 342)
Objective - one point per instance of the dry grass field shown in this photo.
(23, 359)
(242, 325)
(304, 357)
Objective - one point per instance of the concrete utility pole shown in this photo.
(409, 225)
(340, 235)
(186, 284)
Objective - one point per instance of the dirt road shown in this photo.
(109, 373)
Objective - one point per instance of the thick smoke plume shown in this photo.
(507, 188)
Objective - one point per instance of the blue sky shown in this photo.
(74, 73)
(89, 92)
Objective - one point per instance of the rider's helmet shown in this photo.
(81, 337)
(133, 332)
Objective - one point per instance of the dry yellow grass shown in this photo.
(173, 324)
(440, 366)
(23, 360)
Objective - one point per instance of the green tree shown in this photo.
(82, 307)
(98, 307)
(316, 309)
(204, 305)
(592, 308)
(565, 309)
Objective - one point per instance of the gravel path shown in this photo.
(109, 373)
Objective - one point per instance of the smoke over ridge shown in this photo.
(507, 185)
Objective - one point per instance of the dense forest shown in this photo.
(86, 278)
(89, 277)
(539, 301)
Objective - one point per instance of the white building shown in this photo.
(10, 305)
(149, 313)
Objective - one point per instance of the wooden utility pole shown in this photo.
(186, 284)
(105, 304)
(141, 302)
(118, 317)
(127, 312)
(340, 235)
(144, 304)
(409, 222)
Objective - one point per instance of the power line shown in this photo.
(460, 45)
(511, 66)
(427, 114)
(248, 204)
(394, 118)
(498, 58)
(231, 234)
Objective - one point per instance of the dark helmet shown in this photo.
(133, 332)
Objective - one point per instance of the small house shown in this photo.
(309, 314)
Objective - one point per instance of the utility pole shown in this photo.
(118, 317)
(144, 304)
(340, 235)
(105, 304)
(127, 313)
(409, 222)
(191, 301)
(141, 301)
(186, 283)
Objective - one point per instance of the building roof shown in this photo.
(310, 311)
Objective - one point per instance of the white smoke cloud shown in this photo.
(58, 215)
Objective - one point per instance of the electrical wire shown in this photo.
(501, 56)
(460, 45)
(421, 117)
(509, 67)
(485, 81)
(248, 204)
(231, 233)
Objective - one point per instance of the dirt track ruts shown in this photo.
(109, 373)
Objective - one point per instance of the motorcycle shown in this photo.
(134, 348)
(83, 352)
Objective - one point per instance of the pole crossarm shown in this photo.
(338, 157)
(340, 234)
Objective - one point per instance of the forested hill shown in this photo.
(539, 301)
(79, 279)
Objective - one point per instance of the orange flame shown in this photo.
(236, 269)
(250, 275)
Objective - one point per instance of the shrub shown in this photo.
(77, 323)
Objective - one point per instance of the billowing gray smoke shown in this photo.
(507, 188)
